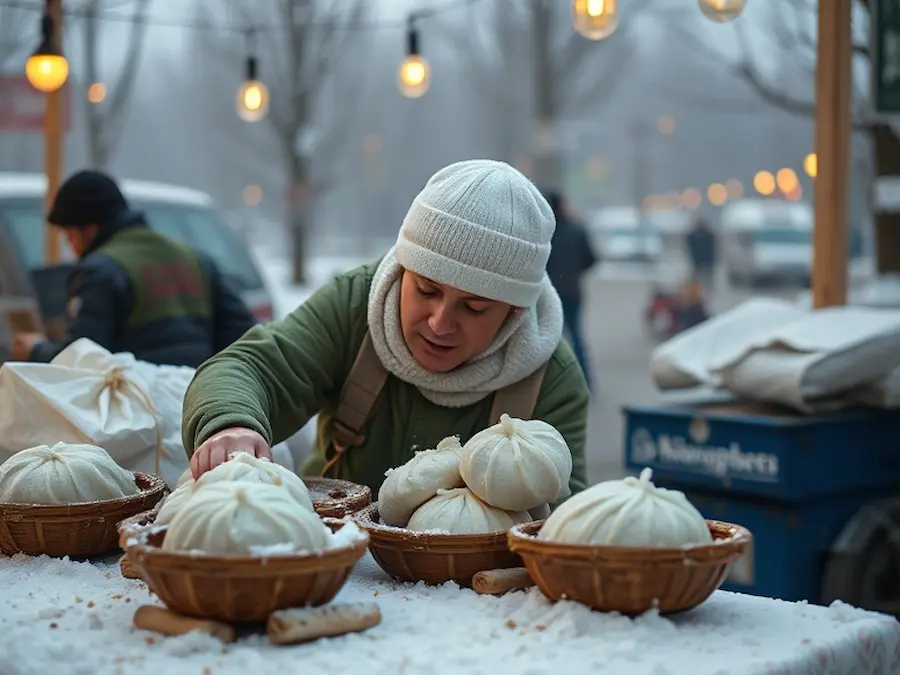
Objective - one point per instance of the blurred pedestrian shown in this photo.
(133, 289)
(702, 249)
(571, 256)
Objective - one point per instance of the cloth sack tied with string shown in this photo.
(88, 395)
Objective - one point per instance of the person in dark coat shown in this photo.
(134, 289)
(701, 248)
(571, 256)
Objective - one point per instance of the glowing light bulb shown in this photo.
(414, 76)
(96, 92)
(764, 183)
(721, 11)
(595, 19)
(717, 194)
(47, 69)
(811, 165)
(787, 180)
(252, 101)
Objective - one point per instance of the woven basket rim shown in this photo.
(149, 485)
(358, 488)
(402, 539)
(730, 540)
(199, 561)
(356, 496)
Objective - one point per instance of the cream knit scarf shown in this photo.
(525, 342)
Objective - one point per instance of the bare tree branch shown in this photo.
(14, 34)
(105, 118)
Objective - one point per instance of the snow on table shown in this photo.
(60, 617)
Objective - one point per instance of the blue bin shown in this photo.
(794, 481)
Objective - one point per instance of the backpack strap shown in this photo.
(358, 397)
(518, 399)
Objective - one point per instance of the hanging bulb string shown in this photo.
(251, 63)
(199, 24)
(412, 36)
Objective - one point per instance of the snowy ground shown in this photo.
(64, 618)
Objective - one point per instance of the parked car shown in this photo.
(621, 233)
(767, 240)
(185, 214)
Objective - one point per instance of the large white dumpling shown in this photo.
(409, 486)
(517, 465)
(242, 466)
(186, 477)
(67, 473)
(174, 502)
(628, 512)
(236, 517)
(459, 511)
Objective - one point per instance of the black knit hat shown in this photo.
(87, 198)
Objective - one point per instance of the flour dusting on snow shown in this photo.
(66, 618)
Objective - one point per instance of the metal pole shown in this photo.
(832, 140)
(53, 141)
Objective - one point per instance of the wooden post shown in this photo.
(53, 141)
(832, 141)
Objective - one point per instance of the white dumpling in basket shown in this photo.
(409, 486)
(242, 466)
(240, 517)
(628, 512)
(174, 502)
(459, 511)
(186, 477)
(67, 473)
(517, 465)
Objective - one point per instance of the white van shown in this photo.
(767, 240)
(185, 214)
(620, 233)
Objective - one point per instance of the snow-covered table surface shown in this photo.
(65, 618)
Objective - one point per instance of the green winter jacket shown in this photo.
(278, 376)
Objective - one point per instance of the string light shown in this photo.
(47, 69)
(721, 11)
(352, 24)
(414, 76)
(595, 19)
(811, 165)
(764, 183)
(787, 180)
(96, 93)
(252, 95)
(717, 194)
(734, 188)
(665, 125)
(692, 198)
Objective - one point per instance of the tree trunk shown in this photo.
(299, 202)
(97, 155)
(887, 225)
(547, 159)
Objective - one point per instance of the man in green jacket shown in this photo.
(420, 345)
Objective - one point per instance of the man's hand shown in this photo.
(23, 343)
(216, 449)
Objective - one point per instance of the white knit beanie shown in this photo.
(482, 227)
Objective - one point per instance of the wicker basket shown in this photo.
(75, 530)
(630, 580)
(337, 498)
(238, 588)
(434, 558)
(130, 527)
(331, 498)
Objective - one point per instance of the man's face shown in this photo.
(81, 238)
(445, 327)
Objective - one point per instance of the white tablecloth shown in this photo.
(64, 618)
